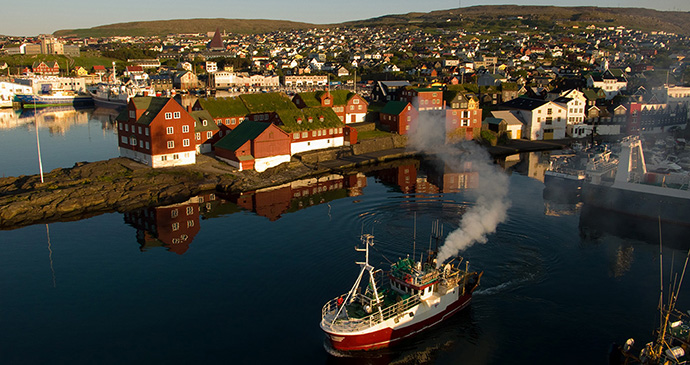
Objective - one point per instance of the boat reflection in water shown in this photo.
(596, 222)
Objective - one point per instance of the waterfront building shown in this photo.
(542, 119)
(157, 132)
(254, 145)
(398, 117)
(305, 80)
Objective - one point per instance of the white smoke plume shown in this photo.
(491, 205)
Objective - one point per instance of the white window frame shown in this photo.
(171, 144)
(185, 142)
(176, 115)
(185, 129)
(169, 130)
(168, 115)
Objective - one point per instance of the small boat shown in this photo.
(418, 295)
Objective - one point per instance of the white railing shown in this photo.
(348, 324)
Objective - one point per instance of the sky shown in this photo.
(48, 16)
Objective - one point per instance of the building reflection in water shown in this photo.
(275, 201)
(433, 177)
(172, 226)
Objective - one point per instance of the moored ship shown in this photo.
(418, 295)
(627, 187)
(56, 98)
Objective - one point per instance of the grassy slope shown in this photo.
(475, 17)
(479, 16)
(164, 27)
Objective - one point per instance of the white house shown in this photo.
(574, 103)
(610, 81)
(543, 119)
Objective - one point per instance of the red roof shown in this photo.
(99, 67)
(135, 69)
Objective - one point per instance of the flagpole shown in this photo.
(38, 143)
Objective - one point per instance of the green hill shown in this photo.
(492, 17)
(164, 27)
(507, 16)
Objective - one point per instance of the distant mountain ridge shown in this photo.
(475, 16)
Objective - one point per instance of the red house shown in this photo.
(52, 68)
(206, 132)
(423, 98)
(398, 116)
(463, 124)
(158, 132)
(254, 145)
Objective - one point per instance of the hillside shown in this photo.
(164, 27)
(470, 18)
(505, 16)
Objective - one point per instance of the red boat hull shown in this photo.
(387, 336)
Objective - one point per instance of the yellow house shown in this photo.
(80, 71)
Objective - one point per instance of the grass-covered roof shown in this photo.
(200, 116)
(224, 107)
(291, 119)
(267, 102)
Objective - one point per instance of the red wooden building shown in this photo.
(158, 132)
(423, 98)
(254, 145)
(50, 68)
(398, 116)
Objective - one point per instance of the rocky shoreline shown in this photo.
(121, 185)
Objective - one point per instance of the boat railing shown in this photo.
(345, 323)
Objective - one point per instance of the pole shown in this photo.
(38, 143)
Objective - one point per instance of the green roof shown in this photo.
(310, 99)
(201, 115)
(224, 107)
(427, 89)
(394, 107)
(244, 132)
(340, 97)
(290, 117)
(313, 99)
(267, 102)
(492, 120)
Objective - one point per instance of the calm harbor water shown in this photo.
(242, 279)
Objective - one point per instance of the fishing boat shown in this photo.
(418, 295)
(672, 338)
(626, 186)
(117, 94)
(54, 98)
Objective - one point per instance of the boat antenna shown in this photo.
(414, 236)
(661, 266)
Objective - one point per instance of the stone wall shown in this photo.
(379, 144)
(362, 147)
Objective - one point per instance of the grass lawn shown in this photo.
(372, 134)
